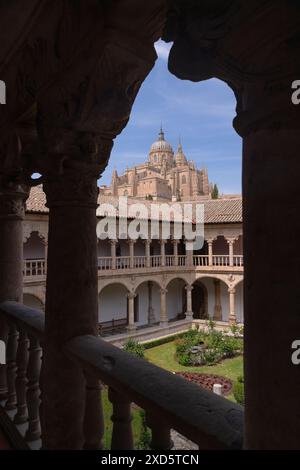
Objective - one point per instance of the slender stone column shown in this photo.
(175, 251)
(218, 305)
(131, 296)
(151, 316)
(210, 251)
(131, 253)
(147, 253)
(163, 308)
(163, 252)
(230, 242)
(189, 252)
(113, 246)
(189, 307)
(232, 316)
(12, 203)
(71, 296)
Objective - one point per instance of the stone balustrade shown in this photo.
(36, 268)
(211, 421)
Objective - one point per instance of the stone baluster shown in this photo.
(189, 307)
(232, 315)
(33, 391)
(160, 433)
(21, 381)
(11, 353)
(122, 438)
(93, 426)
(163, 308)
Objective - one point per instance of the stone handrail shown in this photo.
(212, 422)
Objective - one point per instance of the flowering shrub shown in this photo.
(135, 348)
(206, 347)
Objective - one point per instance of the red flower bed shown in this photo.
(207, 381)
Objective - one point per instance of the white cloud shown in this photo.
(162, 50)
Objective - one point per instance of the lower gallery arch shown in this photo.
(239, 302)
(210, 299)
(176, 299)
(33, 301)
(147, 303)
(113, 303)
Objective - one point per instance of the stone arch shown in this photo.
(217, 300)
(32, 300)
(34, 246)
(147, 302)
(176, 298)
(185, 279)
(108, 282)
(112, 302)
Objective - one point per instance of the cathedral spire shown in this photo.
(161, 135)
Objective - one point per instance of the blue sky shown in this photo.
(199, 113)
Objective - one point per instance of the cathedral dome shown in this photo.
(180, 158)
(161, 145)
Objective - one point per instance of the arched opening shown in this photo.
(199, 300)
(113, 308)
(34, 248)
(147, 309)
(176, 299)
(239, 302)
(33, 302)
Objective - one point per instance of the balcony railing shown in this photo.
(211, 421)
(37, 267)
(34, 267)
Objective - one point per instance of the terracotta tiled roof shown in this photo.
(216, 211)
(36, 201)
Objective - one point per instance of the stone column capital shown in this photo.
(12, 202)
(131, 295)
(163, 291)
(231, 290)
(189, 288)
(71, 165)
(231, 240)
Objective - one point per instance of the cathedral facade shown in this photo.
(164, 176)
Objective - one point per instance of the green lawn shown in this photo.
(164, 356)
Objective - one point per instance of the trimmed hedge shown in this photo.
(167, 339)
(238, 390)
